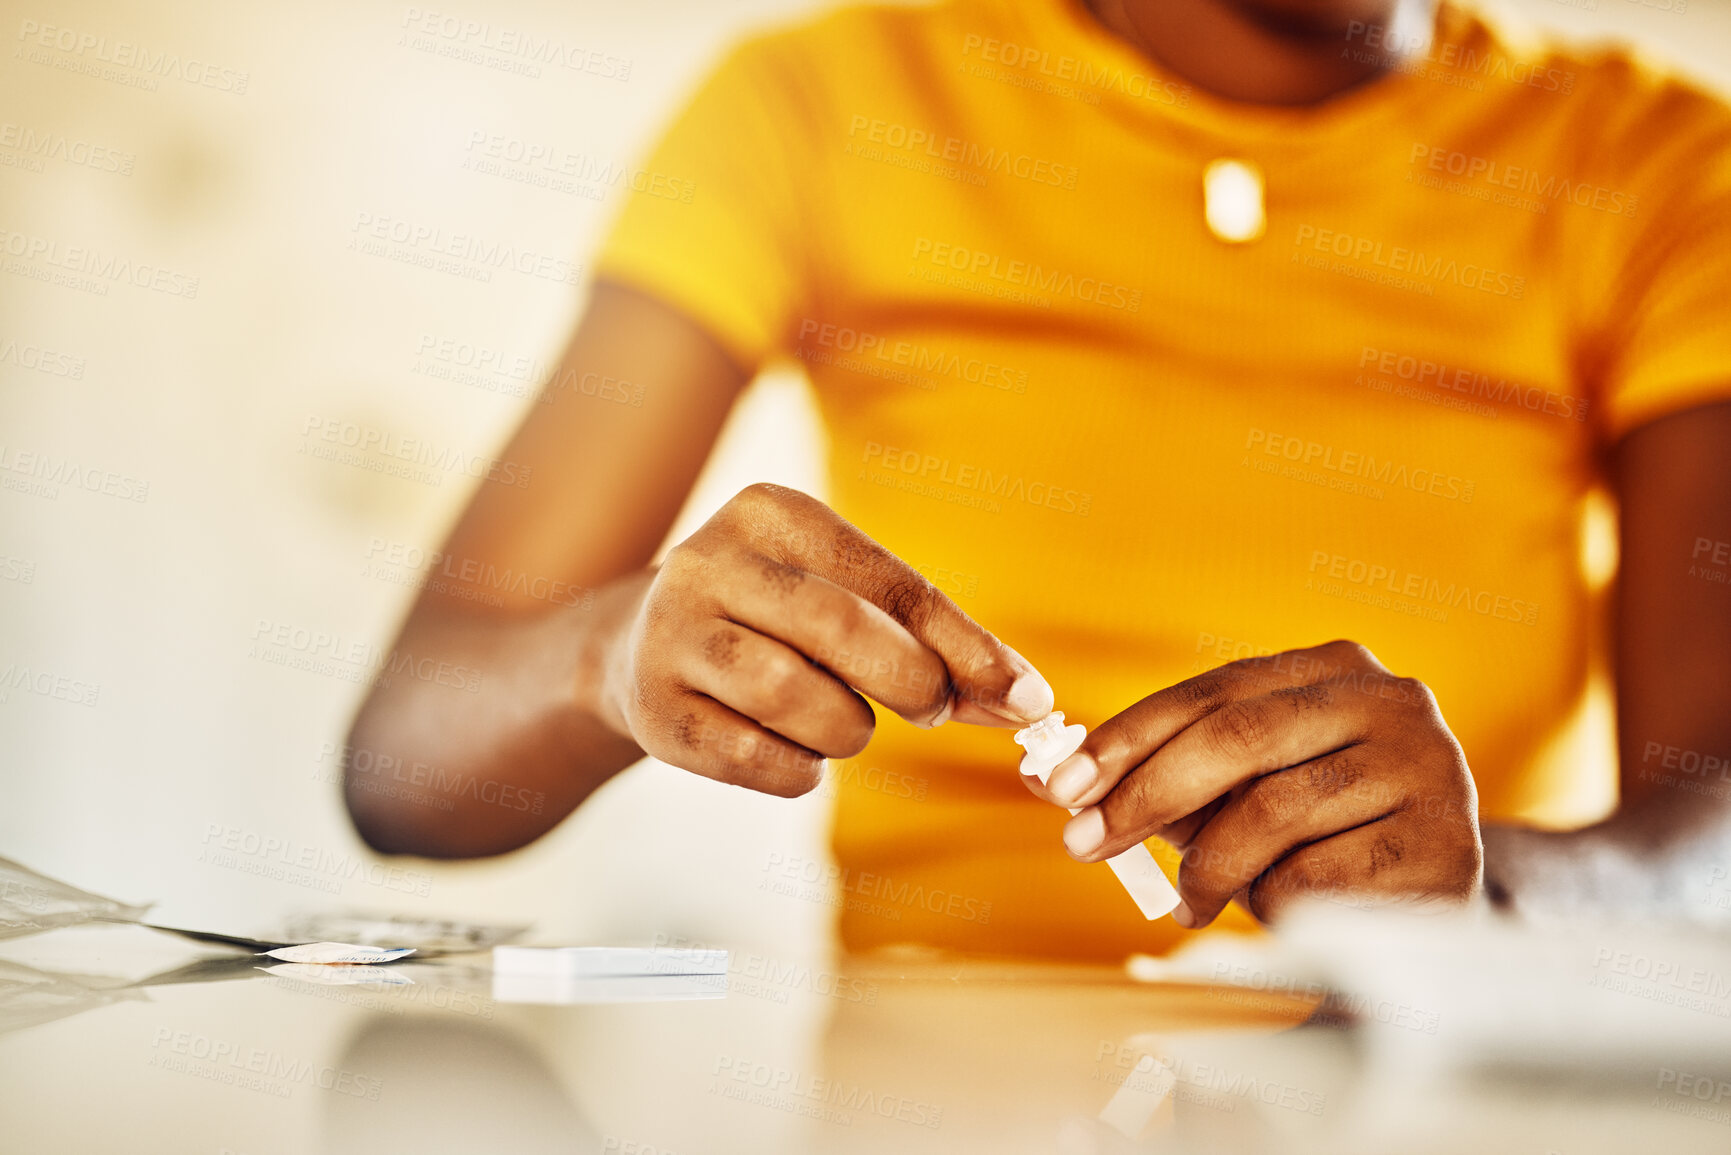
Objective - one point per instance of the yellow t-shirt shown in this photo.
(1136, 451)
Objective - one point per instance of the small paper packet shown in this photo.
(338, 952)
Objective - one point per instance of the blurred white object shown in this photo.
(1466, 989)
(607, 974)
(591, 962)
(574, 990)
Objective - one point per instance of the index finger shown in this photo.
(1123, 742)
(990, 684)
(843, 633)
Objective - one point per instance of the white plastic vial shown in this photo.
(1048, 742)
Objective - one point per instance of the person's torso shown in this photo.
(1135, 450)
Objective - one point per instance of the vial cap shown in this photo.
(1043, 735)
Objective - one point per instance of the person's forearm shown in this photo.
(1660, 858)
(486, 759)
(1666, 850)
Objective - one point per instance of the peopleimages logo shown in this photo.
(496, 45)
(826, 1099)
(45, 683)
(851, 346)
(104, 268)
(1440, 375)
(498, 154)
(927, 469)
(1384, 580)
(324, 436)
(1355, 463)
(436, 248)
(955, 150)
(55, 364)
(1417, 52)
(44, 474)
(1024, 275)
(1518, 179)
(1402, 261)
(40, 145)
(1088, 76)
(807, 878)
(87, 50)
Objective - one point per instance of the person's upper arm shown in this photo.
(724, 232)
(597, 478)
(1665, 391)
(1674, 610)
(696, 285)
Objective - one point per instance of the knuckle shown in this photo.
(1207, 692)
(678, 557)
(1303, 699)
(1269, 803)
(1347, 650)
(1240, 668)
(1387, 850)
(851, 551)
(645, 711)
(761, 495)
(1240, 727)
(1133, 804)
(905, 597)
(1306, 872)
(689, 732)
(682, 562)
(721, 648)
(778, 678)
(680, 737)
(779, 575)
(1333, 775)
(1419, 695)
(979, 669)
(855, 621)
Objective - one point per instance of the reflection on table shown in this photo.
(111, 1043)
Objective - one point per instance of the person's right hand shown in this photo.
(746, 658)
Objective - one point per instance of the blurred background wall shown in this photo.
(163, 528)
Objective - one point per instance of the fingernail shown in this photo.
(1182, 916)
(1073, 777)
(1084, 833)
(1030, 697)
(940, 717)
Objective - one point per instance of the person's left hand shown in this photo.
(1312, 772)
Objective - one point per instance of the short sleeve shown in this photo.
(719, 228)
(1671, 322)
